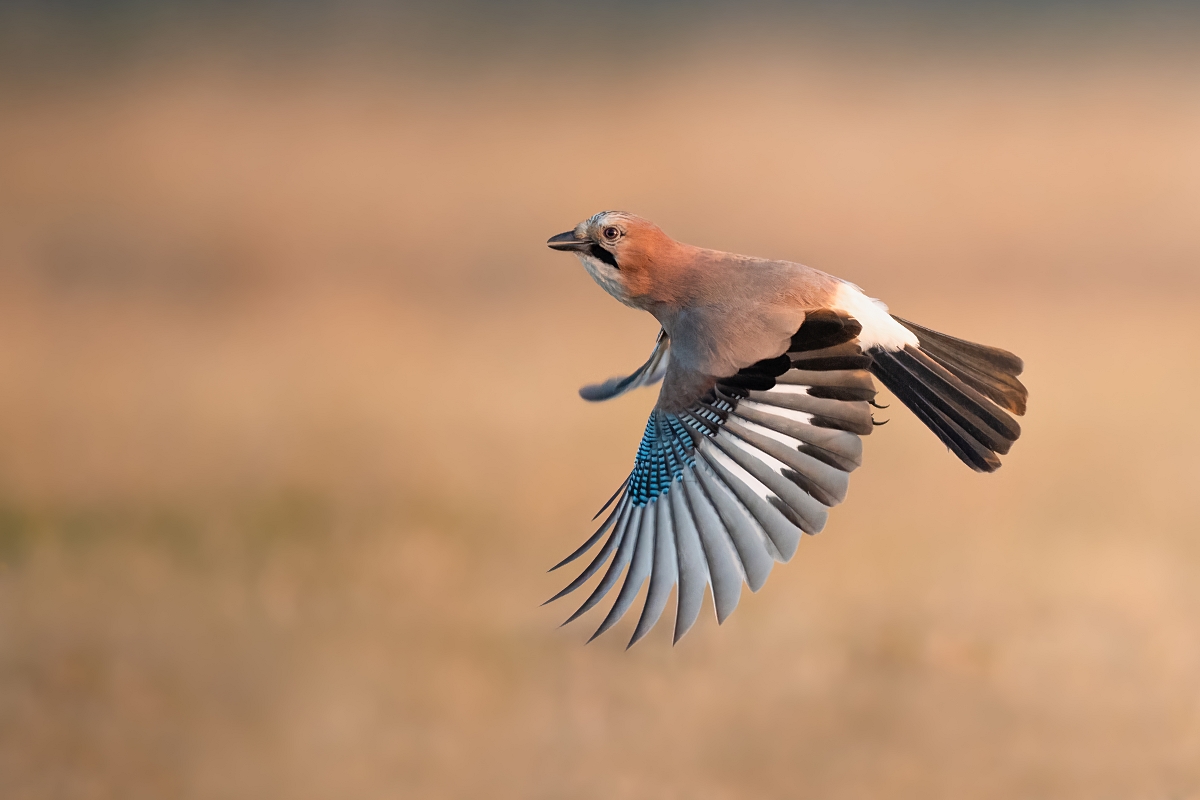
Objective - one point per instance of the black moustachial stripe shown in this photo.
(596, 251)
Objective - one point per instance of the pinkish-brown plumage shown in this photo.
(721, 311)
(767, 384)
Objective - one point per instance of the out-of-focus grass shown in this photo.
(288, 435)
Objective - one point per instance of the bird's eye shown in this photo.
(612, 233)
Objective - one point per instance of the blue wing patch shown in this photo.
(668, 447)
(732, 509)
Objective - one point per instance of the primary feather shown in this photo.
(768, 372)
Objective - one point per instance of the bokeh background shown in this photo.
(289, 431)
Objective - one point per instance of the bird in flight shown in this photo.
(767, 371)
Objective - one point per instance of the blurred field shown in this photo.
(289, 432)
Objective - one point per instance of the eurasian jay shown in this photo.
(766, 370)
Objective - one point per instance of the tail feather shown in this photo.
(959, 390)
(909, 390)
(988, 423)
(988, 370)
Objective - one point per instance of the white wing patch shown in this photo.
(762, 430)
(789, 388)
(728, 463)
(802, 417)
(878, 327)
(735, 481)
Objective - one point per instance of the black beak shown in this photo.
(567, 241)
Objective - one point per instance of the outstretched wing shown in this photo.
(722, 490)
(647, 374)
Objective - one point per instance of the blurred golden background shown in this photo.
(289, 431)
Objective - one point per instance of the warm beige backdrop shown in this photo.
(289, 432)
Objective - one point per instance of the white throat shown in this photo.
(606, 276)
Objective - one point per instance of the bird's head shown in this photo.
(622, 252)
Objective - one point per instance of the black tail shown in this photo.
(959, 390)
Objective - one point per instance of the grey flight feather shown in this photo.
(782, 533)
(748, 538)
(768, 372)
(829, 485)
(841, 449)
(691, 566)
(595, 537)
(635, 576)
(628, 538)
(854, 417)
(664, 572)
(647, 374)
(614, 540)
(764, 472)
(725, 569)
